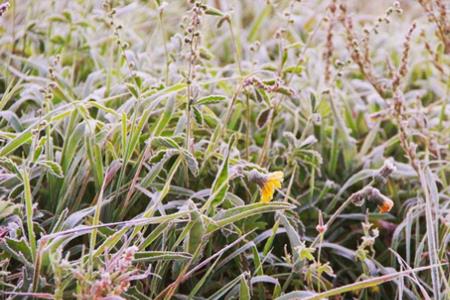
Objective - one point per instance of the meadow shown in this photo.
(212, 149)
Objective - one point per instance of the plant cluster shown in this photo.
(212, 149)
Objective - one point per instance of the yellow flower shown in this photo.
(268, 185)
(385, 205)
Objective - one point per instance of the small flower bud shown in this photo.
(316, 118)
(387, 169)
(321, 228)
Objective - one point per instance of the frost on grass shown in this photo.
(224, 149)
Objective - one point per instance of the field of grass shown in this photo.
(215, 149)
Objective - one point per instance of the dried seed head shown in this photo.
(53, 85)
(4, 8)
(358, 198)
(387, 169)
(384, 203)
(330, 184)
(256, 176)
(370, 193)
(316, 118)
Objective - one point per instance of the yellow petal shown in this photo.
(267, 193)
(272, 182)
(277, 184)
(265, 197)
(278, 175)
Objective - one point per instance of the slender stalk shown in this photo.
(166, 52)
(29, 212)
(336, 214)
(291, 182)
(247, 99)
(267, 139)
(235, 45)
(248, 129)
(431, 233)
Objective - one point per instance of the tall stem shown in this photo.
(29, 212)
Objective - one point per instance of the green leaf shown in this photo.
(270, 240)
(160, 159)
(244, 290)
(210, 99)
(110, 242)
(133, 90)
(11, 89)
(220, 186)
(9, 165)
(254, 30)
(39, 148)
(276, 291)
(28, 198)
(306, 253)
(100, 106)
(202, 281)
(124, 132)
(7, 208)
(53, 167)
(213, 11)
(20, 246)
(205, 53)
(96, 161)
(375, 281)
(12, 120)
(154, 235)
(165, 142)
(71, 146)
(15, 143)
(191, 162)
(58, 39)
(149, 256)
(257, 262)
(165, 117)
(133, 140)
(198, 115)
(221, 293)
(294, 70)
(15, 253)
(151, 96)
(235, 214)
(196, 234)
(261, 96)
(263, 117)
(294, 237)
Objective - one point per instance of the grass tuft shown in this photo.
(212, 149)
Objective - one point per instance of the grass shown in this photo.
(224, 150)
